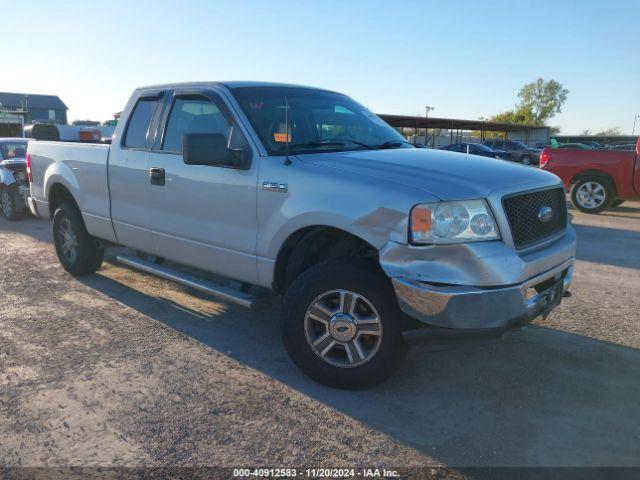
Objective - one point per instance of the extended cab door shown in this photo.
(128, 172)
(203, 216)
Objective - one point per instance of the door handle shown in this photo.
(156, 176)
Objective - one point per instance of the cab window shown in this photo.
(138, 128)
(193, 115)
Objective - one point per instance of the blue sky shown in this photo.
(465, 58)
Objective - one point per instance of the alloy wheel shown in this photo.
(343, 328)
(591, 195)
(68, 240)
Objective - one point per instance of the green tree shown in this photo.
(539, 101)
(542, 100)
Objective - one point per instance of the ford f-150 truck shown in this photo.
(597, 179)
(373, 244)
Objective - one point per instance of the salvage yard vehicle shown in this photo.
(14, 186)
(598, 179)
(475, 149)
(374, 244)
(516, 151)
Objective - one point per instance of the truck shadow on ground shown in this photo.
(535, 397)
(607, 245)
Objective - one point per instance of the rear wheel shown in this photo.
(342, 325)
(525, 160)
(78, 252)
(591, 195)
(10, 203)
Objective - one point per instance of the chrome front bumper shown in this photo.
(461, 307)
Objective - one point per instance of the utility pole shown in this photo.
(427, 109)
(634, 124)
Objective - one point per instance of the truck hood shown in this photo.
(446, 175)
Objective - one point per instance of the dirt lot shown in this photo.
(124, 369)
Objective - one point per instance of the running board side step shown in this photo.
(221, 292)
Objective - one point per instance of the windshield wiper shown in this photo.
(392, 144)
(329, 142)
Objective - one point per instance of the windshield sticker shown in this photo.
(281, 137)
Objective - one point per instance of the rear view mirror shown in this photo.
(210, 149)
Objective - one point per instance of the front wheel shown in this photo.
(591, 195)
(342, 325)
(78, 252)
(11, 209)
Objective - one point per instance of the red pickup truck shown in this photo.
(598, 179)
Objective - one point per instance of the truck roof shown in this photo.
(231, 85)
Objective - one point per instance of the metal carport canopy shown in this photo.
(453, 123)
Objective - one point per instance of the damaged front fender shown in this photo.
(478, 264)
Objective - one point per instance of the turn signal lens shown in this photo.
(420, 223)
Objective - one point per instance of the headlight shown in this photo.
(452, 222)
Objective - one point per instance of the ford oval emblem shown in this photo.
(545, 214)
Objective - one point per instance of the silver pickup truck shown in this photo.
(373, 244)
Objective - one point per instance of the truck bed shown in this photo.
(73, 165)
(568, 163)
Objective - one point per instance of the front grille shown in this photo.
(523, 210)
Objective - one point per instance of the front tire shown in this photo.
(78, 252)
(342, 325)
(9, 203)
(591, 195)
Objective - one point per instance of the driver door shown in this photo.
(202, 216)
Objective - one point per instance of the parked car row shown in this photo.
(503, 149)
(475, 149)
(517, 151)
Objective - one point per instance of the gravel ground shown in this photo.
(123, 369)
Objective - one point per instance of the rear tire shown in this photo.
(10, 203)
(591, 195)
(525, 160)
(78, 252)
(348, 310)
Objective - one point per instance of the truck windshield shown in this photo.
(319, 121)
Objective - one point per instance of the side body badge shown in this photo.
(275, 187)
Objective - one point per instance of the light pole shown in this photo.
(427, 109)
(634, 124)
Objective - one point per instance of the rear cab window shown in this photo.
(139, 123)
(10, 150)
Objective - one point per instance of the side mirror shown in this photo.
(210, 149)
